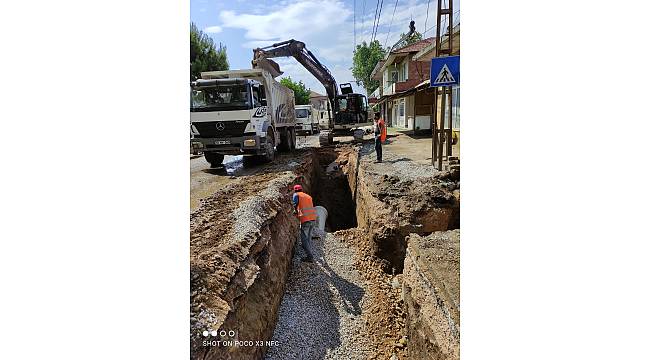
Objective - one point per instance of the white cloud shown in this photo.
(324, 26)
(301, 19)
(213, 29)
(327, 28)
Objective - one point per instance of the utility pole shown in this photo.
(443, 134)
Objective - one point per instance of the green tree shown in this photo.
(300, 92)
(204, 56)
(365, 58)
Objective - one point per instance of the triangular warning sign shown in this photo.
(444, 76)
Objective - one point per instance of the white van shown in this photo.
(306, 120)
(323, 120)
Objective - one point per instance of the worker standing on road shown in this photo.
(380, 135)
(304, 209)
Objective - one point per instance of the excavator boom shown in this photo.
(298, 50)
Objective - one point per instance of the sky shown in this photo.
(327, 27)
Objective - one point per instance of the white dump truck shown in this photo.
(241, 112)
(306, 120)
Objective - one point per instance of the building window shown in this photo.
(394, 76)
(401, 108)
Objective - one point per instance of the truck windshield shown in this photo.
(302, 113)
(220, 97)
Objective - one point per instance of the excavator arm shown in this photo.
(298, 50)
(348, 118)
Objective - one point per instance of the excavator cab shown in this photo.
(352, 109)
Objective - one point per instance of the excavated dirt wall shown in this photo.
(391, 204)
(431, 291)
(241, 247)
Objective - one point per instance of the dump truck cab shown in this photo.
(241, 112)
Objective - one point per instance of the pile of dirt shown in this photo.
(421, 205)
(396, 198)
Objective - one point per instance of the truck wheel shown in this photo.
(269, 147)
(292, 139)
(285, 142)
(214, 159)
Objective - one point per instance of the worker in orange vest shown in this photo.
(304, 209)
(380, 135)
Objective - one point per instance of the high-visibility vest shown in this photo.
(306, 209)
(383, 130)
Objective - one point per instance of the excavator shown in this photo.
(351, 111)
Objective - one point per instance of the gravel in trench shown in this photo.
(320, 315)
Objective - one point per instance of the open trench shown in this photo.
(349, 304)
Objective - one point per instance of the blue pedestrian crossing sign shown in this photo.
(445, 71)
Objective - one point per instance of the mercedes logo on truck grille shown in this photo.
(220, 126)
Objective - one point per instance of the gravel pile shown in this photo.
(394, 164)
(320, 315)
(251, 213)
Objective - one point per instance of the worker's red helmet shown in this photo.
(297, 188)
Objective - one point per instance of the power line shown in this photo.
(434, 26)
(378, 20)
(372, 33)
(379, 17)
(426, 19)
(391, 23)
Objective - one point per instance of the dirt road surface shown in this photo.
(205, 181)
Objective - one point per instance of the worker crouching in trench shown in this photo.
(306, 213)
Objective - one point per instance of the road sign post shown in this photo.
(445, 73)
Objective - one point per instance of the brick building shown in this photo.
(399, 74)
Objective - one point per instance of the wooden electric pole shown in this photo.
(444, 133)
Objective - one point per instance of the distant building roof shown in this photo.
(415, 47)
(428, 52)
(313, 94)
